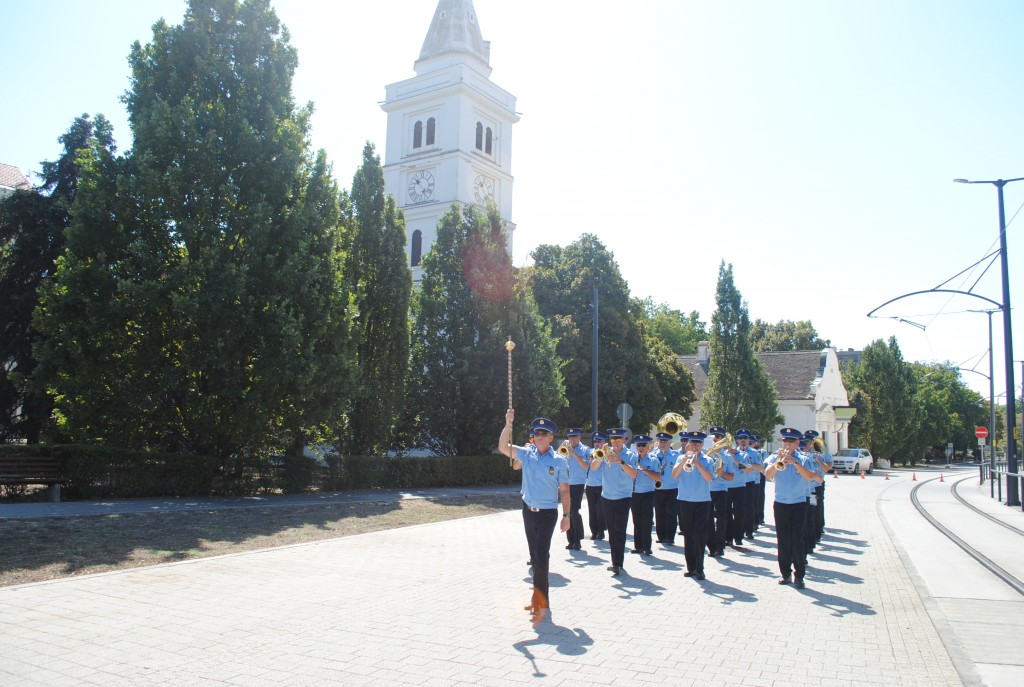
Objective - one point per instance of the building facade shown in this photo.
(449, 134)
(811, 393)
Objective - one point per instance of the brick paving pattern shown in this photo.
(440, 604)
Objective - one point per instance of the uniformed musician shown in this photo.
(617, 475)
(666, 507)
(545, 483)
(718, 519)
(578, 457)
(642, 503)
(790, 505)
(693, 472)
(737, 496)
(748, 456)
(824, 461)
(757, 444)
(595, 506)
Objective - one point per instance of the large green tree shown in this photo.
(950, 409)
(470, 302)
(786, 336)
(888, 414)
(32, 226)
(680, 331)
(739, 391)
(381, 280)
(635, 365)
(200, 305)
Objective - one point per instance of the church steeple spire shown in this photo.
(454, 29)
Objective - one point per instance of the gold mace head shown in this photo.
(509, 345)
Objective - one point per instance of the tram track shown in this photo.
(1008, 578)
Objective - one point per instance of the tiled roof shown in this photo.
(12, 177)
(792, 371)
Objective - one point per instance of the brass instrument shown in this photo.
(564, 449)
(718, 463)
(671, 423)
(819, 445)
(599, 454)
(782, 454)
(688, 463)
(719, 446)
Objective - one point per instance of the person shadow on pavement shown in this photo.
(568, 642)
(634, 586)
(728, 595)
(581, 558)
(838, 605)
(742, 569)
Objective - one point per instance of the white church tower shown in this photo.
(449, 130)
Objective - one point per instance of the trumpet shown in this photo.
(782, 454)
(599, 454)
(819, 445)
(688, 463)
(564, 449)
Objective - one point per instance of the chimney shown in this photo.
(703, 354)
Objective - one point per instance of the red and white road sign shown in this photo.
(980, 432)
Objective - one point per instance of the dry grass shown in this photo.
(37, 549)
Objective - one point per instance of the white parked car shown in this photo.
(853, 460)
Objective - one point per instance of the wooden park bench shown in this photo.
(32, 470)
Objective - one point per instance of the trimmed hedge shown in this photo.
(97, 472)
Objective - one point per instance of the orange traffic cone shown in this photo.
(887, 475)
(862, 474)
(940, 478)
(914, 478)
(835, 474)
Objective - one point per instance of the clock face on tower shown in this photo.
(483, 189)
(421, 186)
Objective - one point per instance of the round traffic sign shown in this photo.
(981, 432)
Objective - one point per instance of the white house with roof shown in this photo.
(811, 393)
(11, 180)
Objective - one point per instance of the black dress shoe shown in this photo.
(785, 580)
(635, 551)
(799, 584)
(688, 573)
(699, 576)
(616, 570)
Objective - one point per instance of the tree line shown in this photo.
(213, 291)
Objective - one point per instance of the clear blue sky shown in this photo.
(812, 144)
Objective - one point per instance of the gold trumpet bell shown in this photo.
(563, 449)
(599, 454)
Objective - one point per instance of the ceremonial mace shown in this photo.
(510, 346)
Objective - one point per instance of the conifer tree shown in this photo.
(888, 414)
(469, 304)
(200, 305)
(382, 283)
(739, 390)
(32, 226)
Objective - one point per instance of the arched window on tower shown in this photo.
(431, 126)
(479, 136)
(487, 149)
(417, 247)
(417, 135)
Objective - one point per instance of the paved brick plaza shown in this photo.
(440, 604)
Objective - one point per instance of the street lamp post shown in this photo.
(1012, 493)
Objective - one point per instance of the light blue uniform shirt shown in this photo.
(692, 485)
(578, 473)
(739, 480)
(750, 457)
(542, 473)
(729, 468)
(666, 462)
(645, 484)
(615, 483)
(790, 487)
(594, 476)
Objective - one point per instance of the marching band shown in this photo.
(713, 493)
